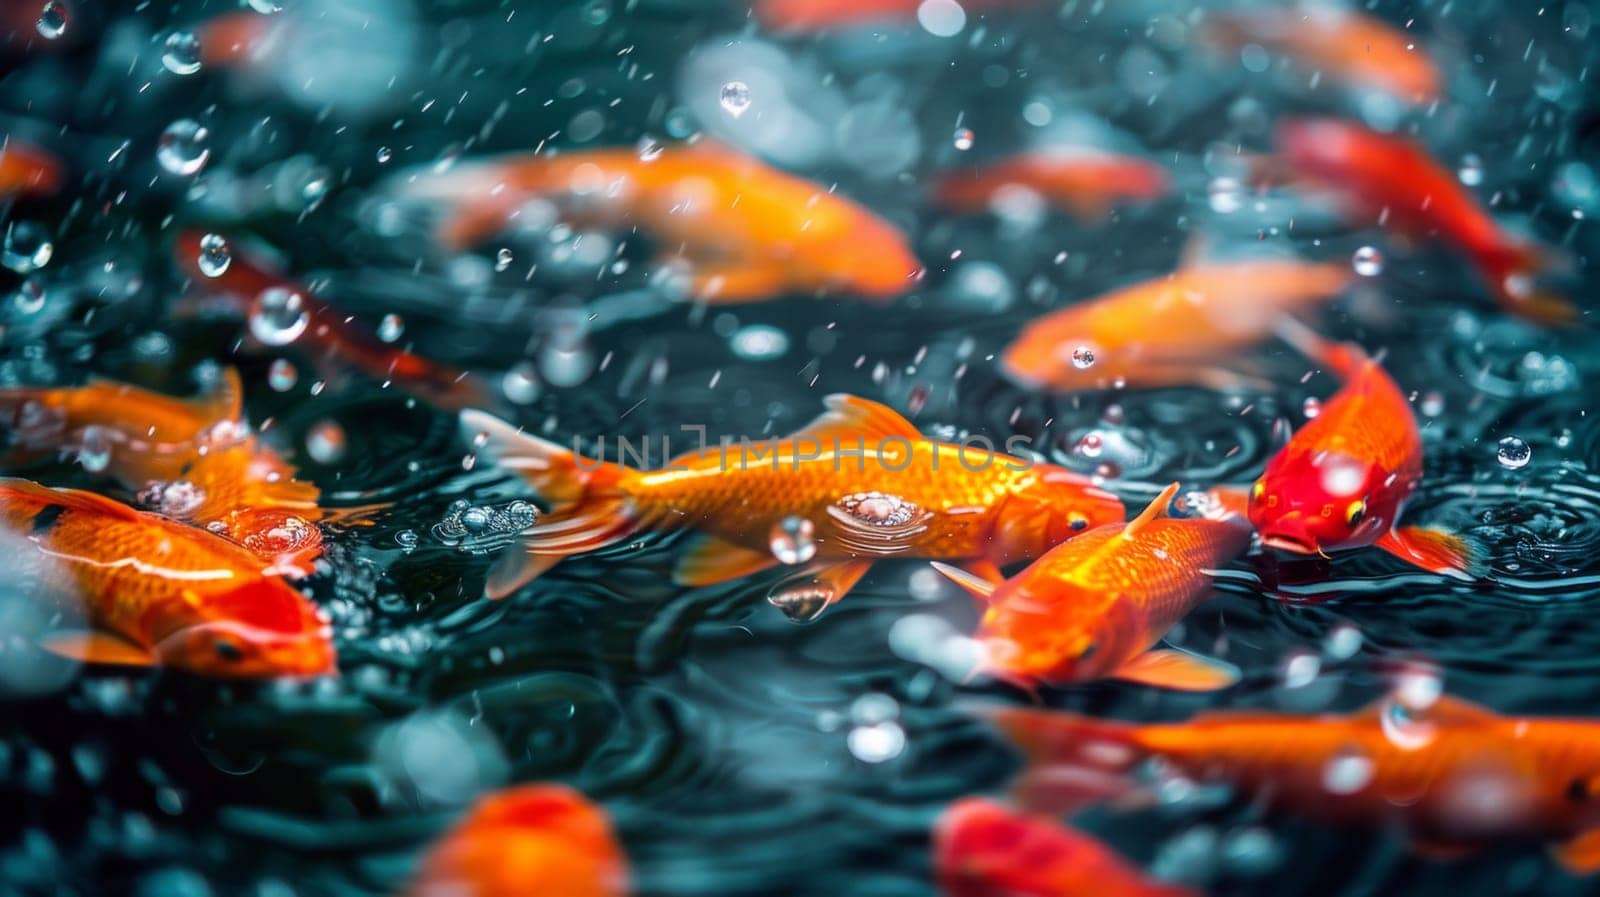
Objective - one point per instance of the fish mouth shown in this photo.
(1293, 544)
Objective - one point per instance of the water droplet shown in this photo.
(964, 139)
(1471, 170)
(52, 20)
(941, 18)
(521, 383)
(30, 297)
(759, 342)
(793, 540)
(503, 259)
(1514, 453)
(326, 442)
(384, 155)
(407, 539)
(1301, 669)
(181, 53)
(179, 498)
(1432, 404)
(1083, 358)
(215, 256)
(878, 743)
(1347, 772)
(1342, 643)
(391, 328)
(735, 98)
(182, 148)
(279, 317)
(1416, 685)
(1090, 445)
(282, 375)
(27, 247)
(1367, 261)
(266, 7)
(94, 449)
(1225, 195)
(1311, 407)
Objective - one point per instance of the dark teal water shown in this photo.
(716, 733)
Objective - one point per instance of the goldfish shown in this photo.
(982, 848)
(1392, 181)
(330, 337)
(1453, 776)
(1093, 606)
(1347, 46)
(817, 15)
(1185, 328)
(192, 459)
(27, 170)
(744, 230)
(857, 484)
(1088, 185)
(526, 841)
(156, 592)
(1343, 480)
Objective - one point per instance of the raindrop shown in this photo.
(1432, 404)
(1471, 170)
(521, 383)
(391, 328)
(181, 53)
(27, 247)
(1347, 772)
(1301, 669)
(1367, 261)
(407, 539)
(759, 342)
(793, 540)
(30, 297)
(1083, 358)
(52, 20)
(735, 98)
(964, 139)
(326, 442)
(94, 449)
(282, 375)
(279, 317)
(1514, 453)
(503, 259)
(215, 256)
(1311, 407)
(182, 149)
(384, 155)
(877, 743)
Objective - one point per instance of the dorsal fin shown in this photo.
(67, 498)
(1154, 509)
(852, 416)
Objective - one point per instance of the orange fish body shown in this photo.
(902, 495)
(190, 459)
(1086, 185)
(331, 337)
(1093, 606)
(1181, 329)
(157, 592)
(527, 841)
(1343, 479)
(27, 170)
(1351, 47)
(1454, 776)
(745, 230)
(1392, 181)
(239, 39)
(817, 15)
(983, 849)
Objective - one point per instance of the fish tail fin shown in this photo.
(1513, 272)
(588, 502)
(1437, 551)
(1072, 761)
(1343, 359)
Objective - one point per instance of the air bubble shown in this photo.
(182, 149)
(735, 98)
(1367, 261)
(793, 540)
(215, 256)
(279, 317)
(181, 53)
(1514, 453)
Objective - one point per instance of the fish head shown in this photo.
(1046, 630)
(254, 632)
(976, 839)
(1319, 502)
(872, 260)
(1050, 507)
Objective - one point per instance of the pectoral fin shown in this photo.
(1581, 855)
(515, 568)
(1178, 670)
(97, 647)
(711, 560)
(1434, 550)
(981, 587)
(804, 597)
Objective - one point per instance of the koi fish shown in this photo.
(1087, 185)
(818, 15)
(1093, 606)
(860, 476)
(1391, 181)
(1343, 479)
(527, 841)
(330, 337)
(982, 848)
(27, 170)
(746, 231)
(1350, 47)
(155, 592)
(1181, 329)
(1454, 777)
(190, 459)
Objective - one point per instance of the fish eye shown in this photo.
(1258, 490)
(1089, 651)
(1356, 512)
(227, 650)
(1077, 522)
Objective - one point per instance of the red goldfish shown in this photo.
(157, 592)
(857, 484)
(1087, 185)
(1392, 182)
(1347, 46)
(816, 15)
(1093, 606)
(527, 841)
(27, 170)
(326, 334)
(1454, 776)
(746, 231)
(191, 459)
(1187, 327)
(1344, 478)
(985, 849)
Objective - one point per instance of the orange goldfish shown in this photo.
(816, 15)
(1093, 606)
(857, 484)
(27, 170)
(1087, 185)
(527, 841)
(328, 335)
(746, 231)
(1180, 329)
(157, 592)
(1453, 776)
(1344, 478)
(1347, 46)
(191, 459)
(985, 849)
(1392, 182)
